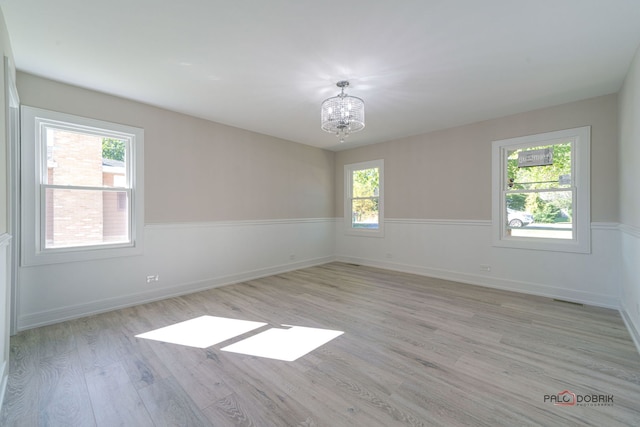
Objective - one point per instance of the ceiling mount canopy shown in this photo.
(342, 114)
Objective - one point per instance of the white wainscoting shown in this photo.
(630, 281)
(456, 250)
(196, 256)
(5, 274)
(187, 257)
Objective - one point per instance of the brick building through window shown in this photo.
(83, 207)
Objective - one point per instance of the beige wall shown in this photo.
(447, 174)
(5, 248)
(4, 193)
(197, 170)
(223, 173)
(5, 50)
(630, 146)
(630, 197)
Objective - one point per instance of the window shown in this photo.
(364, 183)
(541, 191)
(82, 182)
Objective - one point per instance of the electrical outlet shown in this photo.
(389, 255)
(153, 278)
(292, 257)
(484, 267)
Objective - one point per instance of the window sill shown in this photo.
(81, 254)
(537, 244)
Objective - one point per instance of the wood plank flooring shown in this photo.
(416, 351)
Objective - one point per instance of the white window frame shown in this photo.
(581, 187)
(33, 163)
(348, 192)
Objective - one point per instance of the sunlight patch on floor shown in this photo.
(202, 332)
(287, 343)
(284, 344)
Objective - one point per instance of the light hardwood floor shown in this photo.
(416, 351)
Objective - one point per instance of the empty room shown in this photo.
(295, 213)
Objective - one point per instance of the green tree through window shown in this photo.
(113, 149)
(365, 203)
(546, 207)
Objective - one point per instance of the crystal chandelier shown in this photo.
(342, 114)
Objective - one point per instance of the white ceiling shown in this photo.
(266, 65)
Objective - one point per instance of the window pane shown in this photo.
(554, 175)
(540, 214)
(364, 213)
(86, 217)
(366, 183)
(80, 159)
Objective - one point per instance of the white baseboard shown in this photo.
(605, 301)
(635, 334)
(4, 376)
(81, 310)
